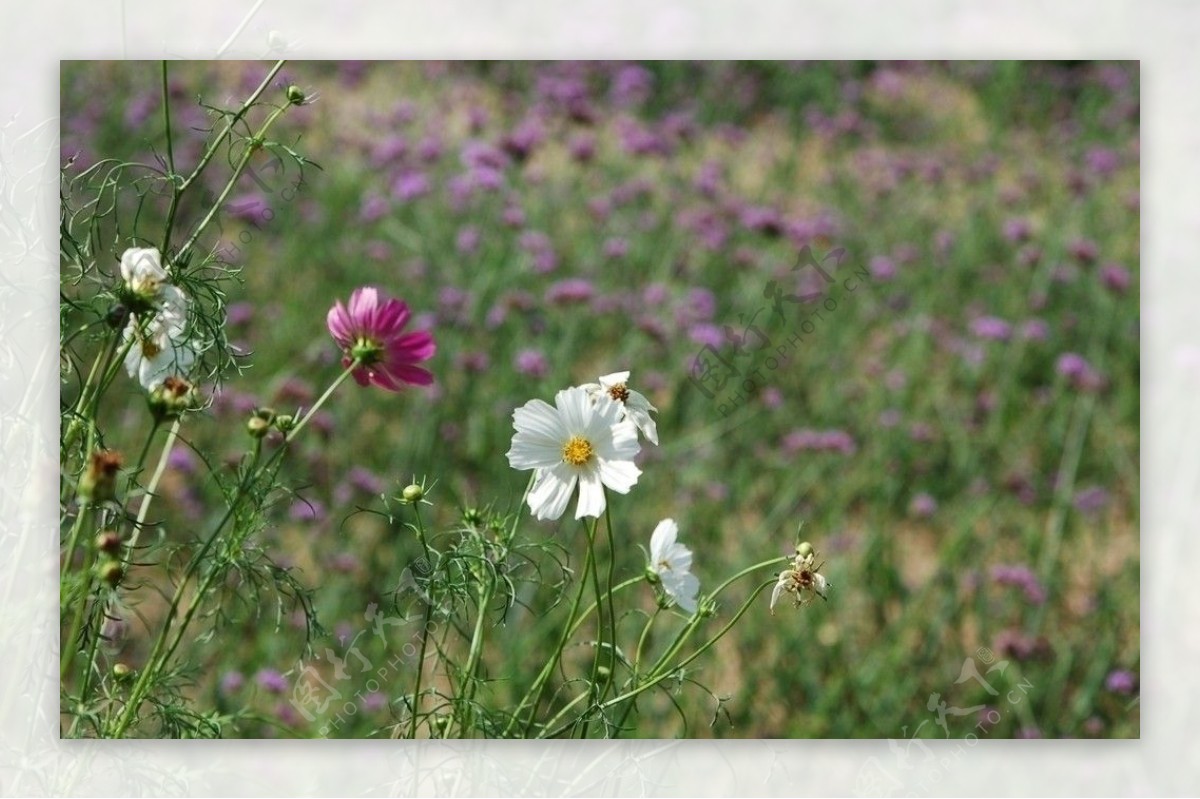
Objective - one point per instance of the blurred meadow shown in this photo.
(949, 406)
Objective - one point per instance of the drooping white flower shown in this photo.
(142, 271)
(672, 562)
(636, 407)
(161, 348)
(802, 580)
(575, 441)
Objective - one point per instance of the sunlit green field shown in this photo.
(949, 407)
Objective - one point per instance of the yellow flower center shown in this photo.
(150, 349)
(578, 451)
(618, 392)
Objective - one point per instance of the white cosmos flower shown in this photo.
(672, 562)
(142, 271)
(637, 408)
(574, 441)
(162, 349)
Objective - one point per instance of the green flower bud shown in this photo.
(804, 549)
(173, 397)
(111, 572)
(121, 672)
(707, 609)
(98, 483)
(117, 316)
(108, 541)
(472, 516)
(652, 576)
(413, 494)
(295, 95)
(260, 423)
(284, 422)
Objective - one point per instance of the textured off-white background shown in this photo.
(35, 36)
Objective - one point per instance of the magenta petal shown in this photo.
(390, 319)
(414, 347)
(412, 374)
(362, 304)
(339, 325)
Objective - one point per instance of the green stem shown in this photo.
(658, 676)
(295, 431)
(252, 147)
(412, 730)
(539, 684)
(157, 659)
(637, 666)
(68, 644)
(138, 525)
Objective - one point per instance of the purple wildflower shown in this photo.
(532, 363)
(271, 680)
(1121, 682)
(1091, 500)
(231, 681)
(410, 185)
(1115, 278)
(992, 328)
(922, 506)
(569, 291)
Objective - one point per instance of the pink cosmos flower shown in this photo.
(371, 331)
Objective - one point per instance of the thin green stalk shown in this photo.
(138, 525)
(157, 659)
(68, 645)
(251, 148)
(600, 608)
(683, 635)
(176, 191)
(637, 665)
(80, 411)
(612, 614)
(539, 684)
(412, 731)
(295, 431)
(656, 677)
(486, 592)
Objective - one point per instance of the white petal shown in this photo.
(615, 379)
(679, 558)
(605, 412)
(528, 452)
(574, 408)
(637, 401)
(776, 592)
(550, 493)
(684, 590)
(591, 495)
(621, 443)
(620, 476)
(538, 418)
(661, 539)
(644, 423)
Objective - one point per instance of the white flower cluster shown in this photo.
(159, 346)
(589, 438)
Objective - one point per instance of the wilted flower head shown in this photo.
(142, 271)
(577, 440)
(160, 347)
(671, 562)
(636, 408)
(370, 332)
(802, 580)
